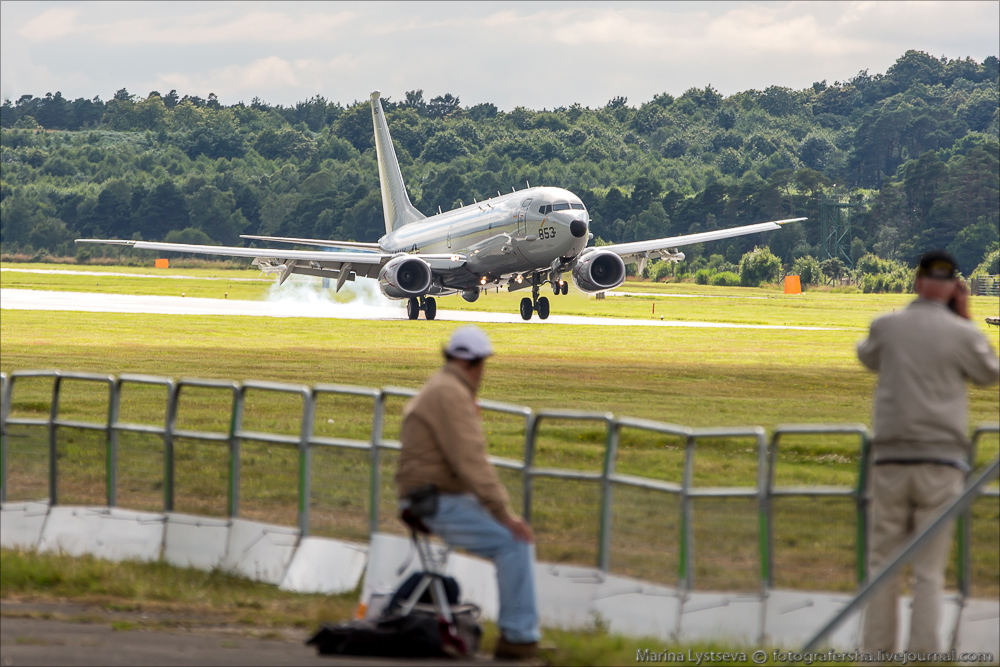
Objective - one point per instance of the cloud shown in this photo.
(752, 29)
(933, 26)
(272, 73)
(265, 27)
(265, 73)
(543, 54)
(214, 27)
(756, 30)
(51, 25)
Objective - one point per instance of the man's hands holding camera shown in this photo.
(959, 302)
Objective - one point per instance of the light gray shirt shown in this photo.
(924, 355)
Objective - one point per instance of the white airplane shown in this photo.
(518, 240)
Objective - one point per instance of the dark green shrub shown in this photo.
(725, 279)
(758, 266)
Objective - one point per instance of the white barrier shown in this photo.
(385, 572)
(979, 627)
(477, 579)
(21, 524)
(565, 594)
(260, 551)
(637, 608)
(110, 534)
(195, 541)
(792, 615)
(706, 616)
(322, 565)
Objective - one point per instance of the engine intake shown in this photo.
(405, 277)
(598, 271)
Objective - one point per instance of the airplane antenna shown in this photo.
(474, 200)
(461, 203)
(512, 188)
(439, 209)
(498, 194)
(528, 184)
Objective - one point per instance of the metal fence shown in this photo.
(744, 547)
(985, 285)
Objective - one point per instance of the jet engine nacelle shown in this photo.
(598, 271)
(405, 277)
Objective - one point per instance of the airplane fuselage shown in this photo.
(510, 234)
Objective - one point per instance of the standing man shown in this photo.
(443, 445)
(923, 356)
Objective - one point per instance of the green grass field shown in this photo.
(694, 377)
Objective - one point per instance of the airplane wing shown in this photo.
(341, 266)
(316, 242)
(638, 251)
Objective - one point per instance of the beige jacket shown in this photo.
(924, 355)
(443, 444)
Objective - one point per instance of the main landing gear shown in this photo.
(560, 287)
(535, 304)
(428, 304)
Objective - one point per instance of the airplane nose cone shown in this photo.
(578, 228)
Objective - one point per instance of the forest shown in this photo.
(915, 149)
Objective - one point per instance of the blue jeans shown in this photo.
(461, 521)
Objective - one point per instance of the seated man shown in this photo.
(443, 444)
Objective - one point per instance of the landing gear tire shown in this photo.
(543, 308)
(565, 288)
(556, 287)
(526, 309)
(412, 308)
(430, 308)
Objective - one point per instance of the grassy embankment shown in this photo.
(696, 377)
(154, 596)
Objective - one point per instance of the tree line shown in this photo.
(916, 148)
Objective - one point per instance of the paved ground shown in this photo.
(19, 299)
(27, 637)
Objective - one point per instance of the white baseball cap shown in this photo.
(469, 343)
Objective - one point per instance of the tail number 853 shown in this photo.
(546, 232)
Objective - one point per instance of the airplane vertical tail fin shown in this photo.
(395, 202)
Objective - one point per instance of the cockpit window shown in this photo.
(561, 206)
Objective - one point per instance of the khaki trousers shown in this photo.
(905, 498)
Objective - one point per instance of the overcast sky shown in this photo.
(533, 54)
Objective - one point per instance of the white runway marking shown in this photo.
(99, 274)
(18, 299)
(657, 295)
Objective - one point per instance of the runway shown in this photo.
(91, 302)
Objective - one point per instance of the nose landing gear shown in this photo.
(535, 304)
(427, 304)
